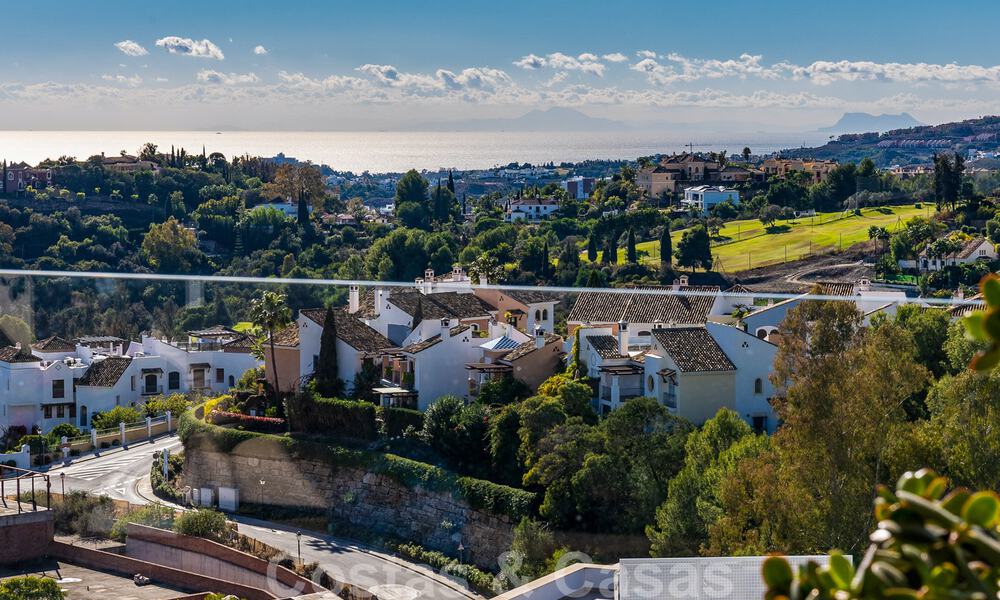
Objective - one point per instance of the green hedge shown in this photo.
(395, 421)
(478, 493)
(309, 412)
(481, 581)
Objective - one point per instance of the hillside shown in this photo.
(909, 145)
(859, 122)
(746, 244)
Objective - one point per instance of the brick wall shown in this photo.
(25, 537)
(377, 503)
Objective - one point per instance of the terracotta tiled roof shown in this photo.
(693, 349)
(438, 306)
(10, 354)
(969, 247)
(836, 288)
(528, 347)
(421, 346)
(54, 344)
(5, 339)
(241, 343)
(351, 330)
(606, 346)
(287, 337)
(668, 307)
(531, 296)
(107, 372)
(213, 331)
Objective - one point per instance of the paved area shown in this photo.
(79, 583)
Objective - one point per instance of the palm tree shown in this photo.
(270, 313)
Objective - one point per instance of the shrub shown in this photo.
(395, 421)
(481, 581)
(30, 587)
(152, 515)
(218, 403)
(37, 443)
(159, 405)
(84, 515)
(204, 523)
(114, 417)
(503, 390)
(165, 487)
(348, 418)
(62, 430)
(256, 423)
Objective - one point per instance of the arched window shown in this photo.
(758, 386)
(545, 314)
(762, 333)
(538, 315)
(232, 381)
(83, 417)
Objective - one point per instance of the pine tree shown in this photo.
(630, 252)
(451, 182)
(666, 252)
(328, 384)
(592, 248)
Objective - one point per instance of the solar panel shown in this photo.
(697, 578)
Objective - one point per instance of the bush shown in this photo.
(204, 523)
(30, 587)
(37, 443)
(62, 430)
(84, 515)
(166, 488)
(395, 421)
(159, 405)
(481, 581)
(152, 515)
(218, 403)
(503, 390)
(347, 418)
(114, 417)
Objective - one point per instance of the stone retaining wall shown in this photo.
(366, 500)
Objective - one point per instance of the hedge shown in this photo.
(395, 421)
(478, 493)
(348, 418)
(481, 581)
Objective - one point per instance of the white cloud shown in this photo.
(530, 62)
(645, 54)
(826, 72)
(132, 81)
(588, 57)
(131, 48)
(189, 47)
(260, 50)
(615, 57)
(161, 80)
(211, 76)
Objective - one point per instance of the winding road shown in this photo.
(123, 474)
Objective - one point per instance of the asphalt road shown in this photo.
(123, 474)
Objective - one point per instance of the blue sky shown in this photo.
(331, 65)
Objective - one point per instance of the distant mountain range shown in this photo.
(550, 119)
(859, 122)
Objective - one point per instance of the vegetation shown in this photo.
(29, 587)
(204, 523)
(114, 417)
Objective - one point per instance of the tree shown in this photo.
(769, 215)
(16, 331)
(270, 313)
(746, 153)
(631, 255)
(694, 249)
(592, 247)
(411, 200)
(169, 247)
(328, 382)
(610, 254)
(29, 587)
(114, 417)
(451, 182)
(666, 253)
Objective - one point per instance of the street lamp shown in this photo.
(262, 482)
(461, 549)
(298, 540)
(62, 479)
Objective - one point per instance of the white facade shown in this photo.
(349, 360)
(439, 370)
(530, 209)
(704, 197)
(754, 361)
(38, 394)
(976, 250)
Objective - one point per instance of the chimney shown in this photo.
(380, 298)
(354, 299)
(623, 337)
(429, 280)
(419, 284)
(864, 285)
(684, 280)
(676, 285)
(539, 337)
(445, 325)
(483, 280)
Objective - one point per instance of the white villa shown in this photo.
(971, 251)
(58, 381)
(530, 209)
(703, 197)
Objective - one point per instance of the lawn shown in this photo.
(747, 244)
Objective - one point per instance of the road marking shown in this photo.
(88, 472)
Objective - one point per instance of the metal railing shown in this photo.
(23, 482)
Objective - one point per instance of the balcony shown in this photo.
(151, 390)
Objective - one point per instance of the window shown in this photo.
(174, 380)
(760, 424)
(83, 416)
(758, 386)
(545, 314)
(538, 315)
(132, 382)
(649, 383)
(47, 411)
(220, 375)
(72, 411)
(60, 411)
(59, 388)
(232, 381)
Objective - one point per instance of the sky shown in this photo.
(330, 65)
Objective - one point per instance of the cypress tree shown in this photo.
(545, 259)
(630, 247)
(592, 248)
(327, 382)
(463, 204)
(221, 313)
(666, 253)
(594, 280)
(451, 182)
(610, 250)
(418, 314)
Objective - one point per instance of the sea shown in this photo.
(397, 151)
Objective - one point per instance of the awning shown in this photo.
(622, 369)
(154, 370)
(201, 366)
(488, 367)
(393, 391)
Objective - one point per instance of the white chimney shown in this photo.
(623, 337)
(676, 285)
(354, 299)
(457, 274)
(428, 280)
(483, 280)
(539, 337)
(864, 285)
(380, 297)
(445, 325)
(419, 284)
(684, 280)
